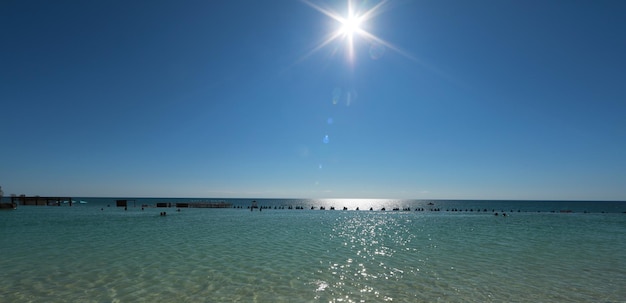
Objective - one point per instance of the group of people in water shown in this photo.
(405, 209)
(260, 208)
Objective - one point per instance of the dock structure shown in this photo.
(204, 205)
(41, 201)
(8, 205)
(124, 203)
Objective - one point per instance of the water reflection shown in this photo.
(380, 251)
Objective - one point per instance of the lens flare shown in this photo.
(336, 95)
(376, 51)
(351, 97)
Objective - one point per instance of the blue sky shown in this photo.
(452, 99)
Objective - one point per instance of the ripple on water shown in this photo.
(303, 256)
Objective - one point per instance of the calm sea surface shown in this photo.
(452, 251)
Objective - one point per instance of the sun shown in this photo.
(350, 26)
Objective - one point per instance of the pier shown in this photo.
(41, 201)
(204, 205)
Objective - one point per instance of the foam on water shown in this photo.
(83, 254)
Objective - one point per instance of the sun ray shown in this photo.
(324, 11)
(372, 12)
(358, 31)
(398, 50)
(388, 45)
(331, 37)
(350, 27)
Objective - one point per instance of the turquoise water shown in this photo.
(94, 253)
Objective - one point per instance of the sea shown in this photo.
(291, 250)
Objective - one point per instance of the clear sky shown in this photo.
(487, 99)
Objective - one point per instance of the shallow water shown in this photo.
(85, 254)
